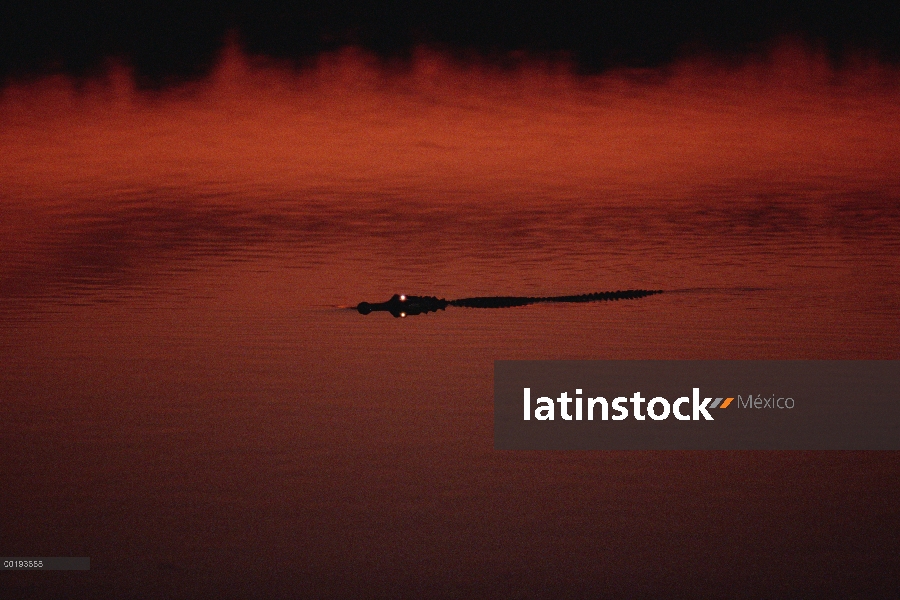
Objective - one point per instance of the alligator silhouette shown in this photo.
(401, 305)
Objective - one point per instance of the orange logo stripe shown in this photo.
(726, 403)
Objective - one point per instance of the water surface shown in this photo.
(188, 400)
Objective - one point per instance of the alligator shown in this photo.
(401, 305)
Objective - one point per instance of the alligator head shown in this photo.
(401, 305)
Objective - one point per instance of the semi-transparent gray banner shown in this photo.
(696, 405)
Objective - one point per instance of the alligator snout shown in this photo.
(401, 305)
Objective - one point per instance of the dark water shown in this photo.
(187, 399)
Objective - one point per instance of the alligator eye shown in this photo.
(402, 314)
(402, 297)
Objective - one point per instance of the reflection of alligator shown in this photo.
(402, 306)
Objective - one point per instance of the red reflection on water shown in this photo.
(256, 129)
